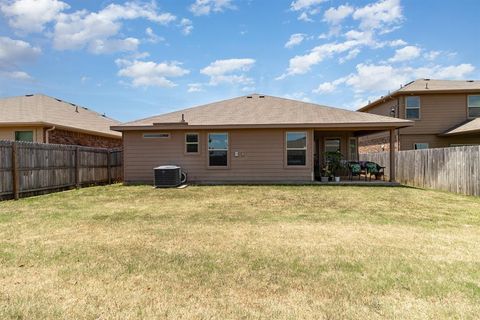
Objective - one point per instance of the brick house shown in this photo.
(445, 113)
(40, 118)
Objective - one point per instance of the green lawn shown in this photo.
(229, 252)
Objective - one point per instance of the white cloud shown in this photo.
(431, 55)
(373, 78)
(205, 7)
(14, 53)
(352, 54)
(195, 87)
(96, 29)
(336, 15)
(31, 15)
(152, 37)
(325, 87)
(379, 14)
(304, 17)
(15, 75)
(229, 71)
(149, 73)
(302, 64)
(295, 40)
(187, 26)
(397, 43)
(405, 54)
(298, 5)
(101, 46)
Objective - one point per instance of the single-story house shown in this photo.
(40, 118)
(254, 138)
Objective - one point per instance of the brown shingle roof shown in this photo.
(471, 126)
(265, 111)
(430, 86)
(44, 110)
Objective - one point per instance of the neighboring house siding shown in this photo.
(263, 160)
(407, 142)
(438, 113)
(82, 139)
(9, 133)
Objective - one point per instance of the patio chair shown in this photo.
(355, 169)
(374, 169)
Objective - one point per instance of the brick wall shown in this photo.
(375, 145)
(82, 139)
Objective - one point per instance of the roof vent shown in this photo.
(249, 97)
(470, 81)
(76, 109)
(104, 115)
(73, 104)
(426, 85)
(29, 95)
(183, 117)
(58, 100)
(426, 79)
(261, 97)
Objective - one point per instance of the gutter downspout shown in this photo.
(46, 133)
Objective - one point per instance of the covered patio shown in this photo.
(345, 142)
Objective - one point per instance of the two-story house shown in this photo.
(446, 113)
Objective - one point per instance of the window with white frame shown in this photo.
(218, 149)
(420, 146)
(191, 143)
(474, 106)
(412, 107)
(296, 148)
(162, 135)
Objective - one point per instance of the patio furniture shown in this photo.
(355, 169)
(375, 169)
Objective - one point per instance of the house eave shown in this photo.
(326, 126)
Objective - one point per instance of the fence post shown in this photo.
(77, 167)
(109, 167)
(15, 172)
(392, 155)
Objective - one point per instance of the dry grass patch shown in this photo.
(274, 252)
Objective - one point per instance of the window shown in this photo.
(296, 148)
(419, 146)
(474, 106)
(332, 145)
(156, 135)
(24, 136)
(191, 143)
(218, 149)
(412, 107)
(353, 148)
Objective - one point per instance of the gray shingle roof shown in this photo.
(44, 110)
(430, 85)
(265, 111)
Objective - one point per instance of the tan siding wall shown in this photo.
(438, 112)
(263, 160)
(407, 142)
(9, 133)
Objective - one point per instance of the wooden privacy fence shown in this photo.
(455, 169)
(31, 168)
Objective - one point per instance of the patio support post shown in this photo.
(392, 155)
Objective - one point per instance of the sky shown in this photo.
(140, 58)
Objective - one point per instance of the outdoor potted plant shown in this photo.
(325, 175)
(335, 164)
